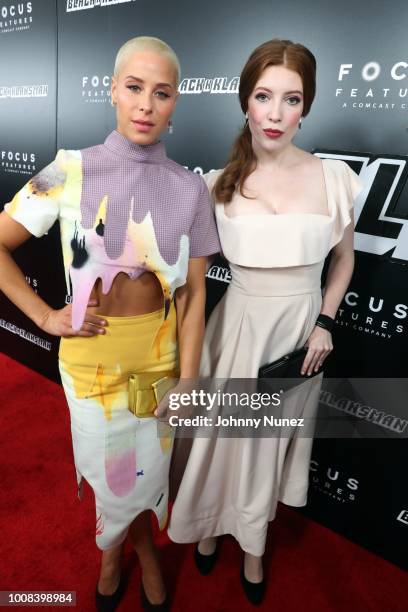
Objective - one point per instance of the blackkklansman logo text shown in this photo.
(24, 91)
(207, 85)
(83, 5)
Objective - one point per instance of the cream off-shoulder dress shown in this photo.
(232, 485)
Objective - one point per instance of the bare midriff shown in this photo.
(128, 297)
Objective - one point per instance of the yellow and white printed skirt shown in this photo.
(122, 457)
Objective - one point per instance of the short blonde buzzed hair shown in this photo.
(147, 43)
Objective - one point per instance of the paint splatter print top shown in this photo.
(122, 207)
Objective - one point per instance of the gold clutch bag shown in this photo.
(147, 389)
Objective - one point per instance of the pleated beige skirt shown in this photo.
(233, 485)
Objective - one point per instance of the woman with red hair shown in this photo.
(280, 210)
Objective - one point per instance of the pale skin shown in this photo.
(144, 89)
(298, 187)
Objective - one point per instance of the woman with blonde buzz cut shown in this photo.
(136, 228)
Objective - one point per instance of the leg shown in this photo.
(110, 570)
(140, 532)
(253, 568)
(207, 546)
(206, 555)
(252, 579)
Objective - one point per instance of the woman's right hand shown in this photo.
(58, 322)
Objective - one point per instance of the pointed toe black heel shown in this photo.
(205, 563)
(147, 606)
(254, 591)
(109, 603)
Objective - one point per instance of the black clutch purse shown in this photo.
(286, 370)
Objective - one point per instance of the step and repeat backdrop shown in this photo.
(28, 104)
(55, 74)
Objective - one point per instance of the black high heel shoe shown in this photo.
(109, 603)
(149, 607)
(205, 563)
(254, 591)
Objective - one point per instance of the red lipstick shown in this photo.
(273, 133)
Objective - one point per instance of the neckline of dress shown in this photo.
(297, 214)
(118, 144)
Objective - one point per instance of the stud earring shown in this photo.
(170, 127)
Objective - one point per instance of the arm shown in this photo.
(339, 275)
(190, 305)
(210, 179)
(13, 284)
(190, 298)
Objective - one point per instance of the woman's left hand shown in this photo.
(319, 345)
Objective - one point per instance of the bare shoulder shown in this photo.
(310, 172)
(308, 161)
(307, 157)
(211, 177)
(308, 167)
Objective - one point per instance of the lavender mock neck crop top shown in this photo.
(122, 207)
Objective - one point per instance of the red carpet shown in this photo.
(47, 540)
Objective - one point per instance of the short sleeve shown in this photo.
(203, 234)
(353, 184)
(346, 187)
(36, 205)
(210, 180)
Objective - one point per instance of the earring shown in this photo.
(300, 123)
(112, 102)
(246, 115)
(170, 126)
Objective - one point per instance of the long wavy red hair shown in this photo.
(274, 52)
